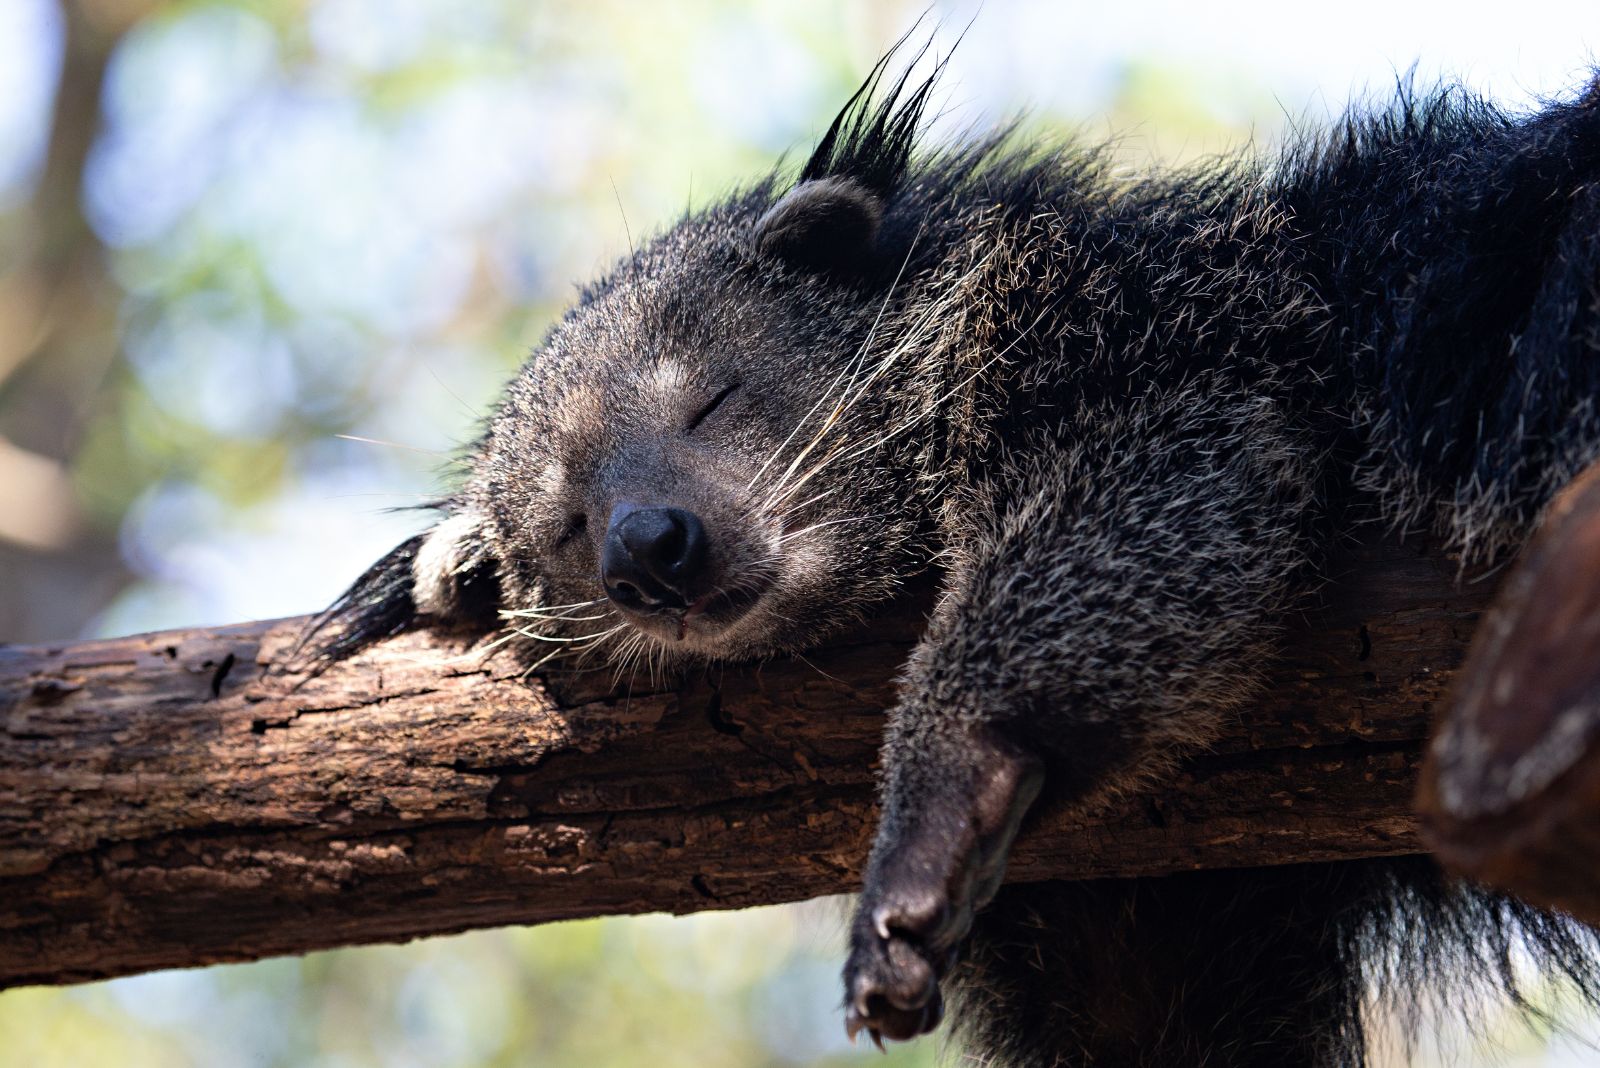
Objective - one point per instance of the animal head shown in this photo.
(714, 452)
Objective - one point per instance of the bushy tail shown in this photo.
(1269, 967)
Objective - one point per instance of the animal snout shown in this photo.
(653, 557)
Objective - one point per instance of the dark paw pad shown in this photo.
(898, 952)
(893, 990)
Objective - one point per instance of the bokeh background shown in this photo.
(238, 235)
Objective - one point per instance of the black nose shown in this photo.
(652, 557)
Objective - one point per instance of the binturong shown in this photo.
(1120, 422)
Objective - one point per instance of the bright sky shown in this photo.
(1067, 53)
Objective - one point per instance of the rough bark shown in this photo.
(171, 799)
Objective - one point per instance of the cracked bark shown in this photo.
(173, 799)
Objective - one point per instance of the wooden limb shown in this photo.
(1511, 793)
(172, 799)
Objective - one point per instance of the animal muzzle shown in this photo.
(653, 559)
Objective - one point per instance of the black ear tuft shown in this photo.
(829, 221)
(871, 139)
(828, 225)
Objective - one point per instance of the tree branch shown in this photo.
(1512, 782)
(173, 799)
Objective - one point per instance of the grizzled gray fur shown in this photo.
(1122, 422)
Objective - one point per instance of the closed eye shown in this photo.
(716, 402)
(575, 526)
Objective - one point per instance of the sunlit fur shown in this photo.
(1123, 421)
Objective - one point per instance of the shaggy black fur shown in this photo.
(377, 605)
(1126, 420)
(1258, 968)
(1456, 248)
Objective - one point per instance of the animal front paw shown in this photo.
(892, 976)
(937, 861)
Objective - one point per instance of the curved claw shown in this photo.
(854, 1024)
(892, 1004)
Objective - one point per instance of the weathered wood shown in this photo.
(1511, 790)
(168, 800)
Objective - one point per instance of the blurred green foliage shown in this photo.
(717, 991)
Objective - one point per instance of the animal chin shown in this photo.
(720, 609)
(707, 623)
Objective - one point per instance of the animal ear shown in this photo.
(444, 576)
(827, 225)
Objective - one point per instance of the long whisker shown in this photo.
(534, 613)
(813, 500)
(829, 523)
(600, 642)
(579, 639)
(485, 650)
(574, 604)
(928, 411)
(390, 444)
(782, 516)
(854, 391)
(856, 361)
(627, 655)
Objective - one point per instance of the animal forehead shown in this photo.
(587, 410)
(650, 388)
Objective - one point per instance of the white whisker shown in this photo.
(831, 523)
(390, 444)
(854, 360)
(581, 638)
(534, 613)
